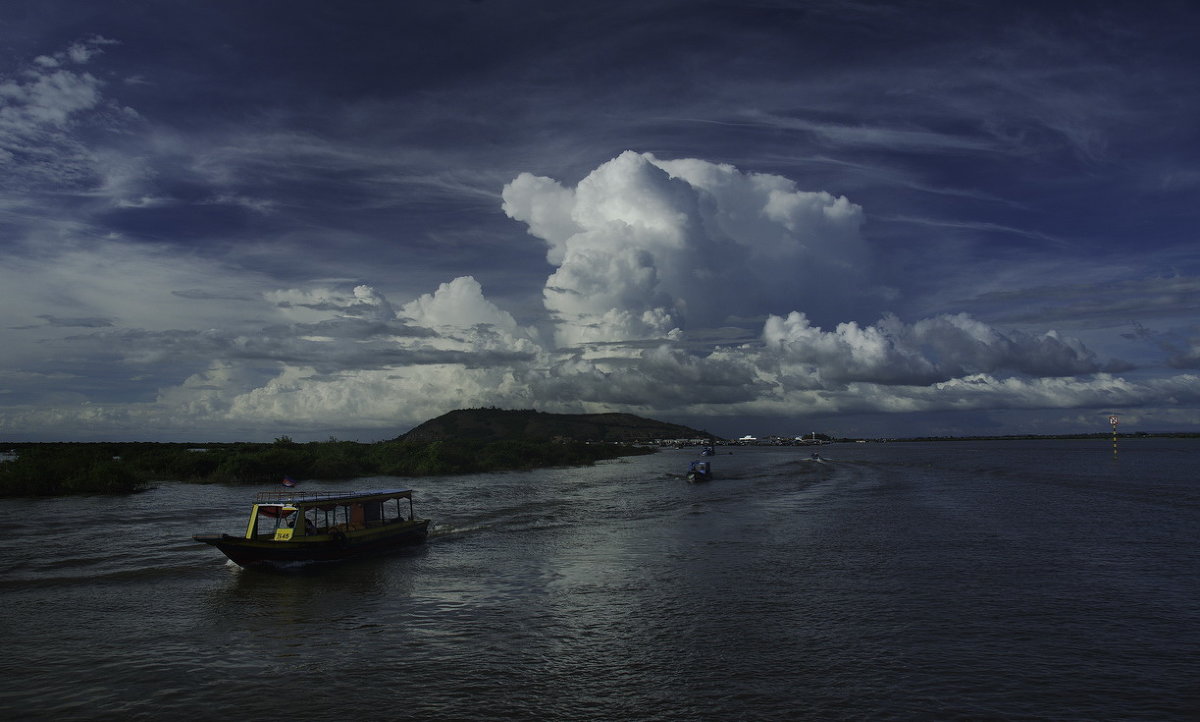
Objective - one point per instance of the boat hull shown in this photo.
(322, 548)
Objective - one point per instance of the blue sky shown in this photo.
(239, 220)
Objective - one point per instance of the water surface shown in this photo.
(950, 580)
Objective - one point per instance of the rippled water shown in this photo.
(956, 580)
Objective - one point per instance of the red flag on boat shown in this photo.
(289, 481)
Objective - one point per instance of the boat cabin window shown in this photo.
(375, 513)
(326, 517)
(272, 518)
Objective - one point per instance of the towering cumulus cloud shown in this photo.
(651, 255)
(647, 248)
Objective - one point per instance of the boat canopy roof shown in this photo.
(310, 498)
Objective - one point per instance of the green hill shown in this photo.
(500, 424)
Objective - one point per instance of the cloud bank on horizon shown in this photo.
(166, 282)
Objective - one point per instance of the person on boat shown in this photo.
(815, 456)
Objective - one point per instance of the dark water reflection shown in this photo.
(942, 581)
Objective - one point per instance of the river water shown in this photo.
(949, 580)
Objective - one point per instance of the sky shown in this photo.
(235, 221)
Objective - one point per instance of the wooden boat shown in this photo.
(699, 471)
(322, 526)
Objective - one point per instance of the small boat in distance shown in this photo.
(292, 527)
(699, 471)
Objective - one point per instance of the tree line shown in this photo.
(50, 469)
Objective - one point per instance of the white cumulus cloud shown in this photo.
(645, 246)
(928, 351)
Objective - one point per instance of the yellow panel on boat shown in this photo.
(283, 534)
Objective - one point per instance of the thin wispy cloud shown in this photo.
(984, 227)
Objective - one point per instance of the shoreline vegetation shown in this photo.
(466, 441)
(61, 468)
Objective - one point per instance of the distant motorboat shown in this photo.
(699, 471)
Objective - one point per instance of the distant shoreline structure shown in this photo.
(1043, 437)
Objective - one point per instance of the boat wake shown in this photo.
(451, 530)
(446, 531)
